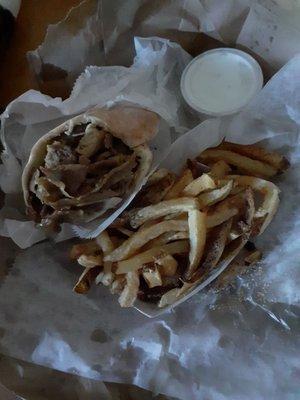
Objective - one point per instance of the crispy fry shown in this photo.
(258, 153)
(167, 237)
(197, 168)
(86, 279)
(118, 284)
(265, 213)
(107, 246)
(152, 277)
(219, 169)
(142, 236)
(214, 248)
(204, 182)
(87, 248)
(185, 178)
(130, 291)
(136, 262)
(226, 209)
(90, 261)
(104, 242)
(245, 164)
(167, 265)
(183, 204)
(174, 294)
(157, 176)
(106, 278)
(197, 233)
(214, 196)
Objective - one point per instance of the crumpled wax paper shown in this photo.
(152, 82)
(103, 31)
(240, 342)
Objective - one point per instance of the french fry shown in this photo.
(226, 209)
(174, 294)
(167, 265)
(86, 279)
(168, 237)
(87, 248)
(130, 291)
(197, 232)
(219, 169)
(142, 236)
(214, 248)
(178, 186)
(157, 176)
(137, 261)
(90, 261)
(265, 213)
(118, 284)
(204, 182)
(245, 164)
(276, 160)
(216, 195)
(152, 277)
(104, 242)
(183, 204)
(197, 168)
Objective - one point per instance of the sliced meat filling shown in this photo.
(84, 167)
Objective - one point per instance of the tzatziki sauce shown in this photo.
(221, 81)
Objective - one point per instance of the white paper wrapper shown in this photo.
(215, 345)
(103, 32)
(152, 82)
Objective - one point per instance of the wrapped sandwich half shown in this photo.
(86, 167)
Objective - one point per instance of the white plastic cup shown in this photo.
(221, 82)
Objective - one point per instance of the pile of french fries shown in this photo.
(180, 228)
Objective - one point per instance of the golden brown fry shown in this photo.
(197, 233)
(155, 189)
(142, 236)
(185, 178)
(183, 204)
(105, 243)
(90, 261)
(228, 208)
(157, 176)
(107, 246)
(213, 251)
(204, 182)
(152, 277)
(175, 294)
(167, 237)
(274, 159)
(245, 164)
(167, 265)
(87, 248)
(219, 169)
(265, 213)
(137, 261)
(214, 196)
(86, 279)
(130, 291)
(118, 284)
